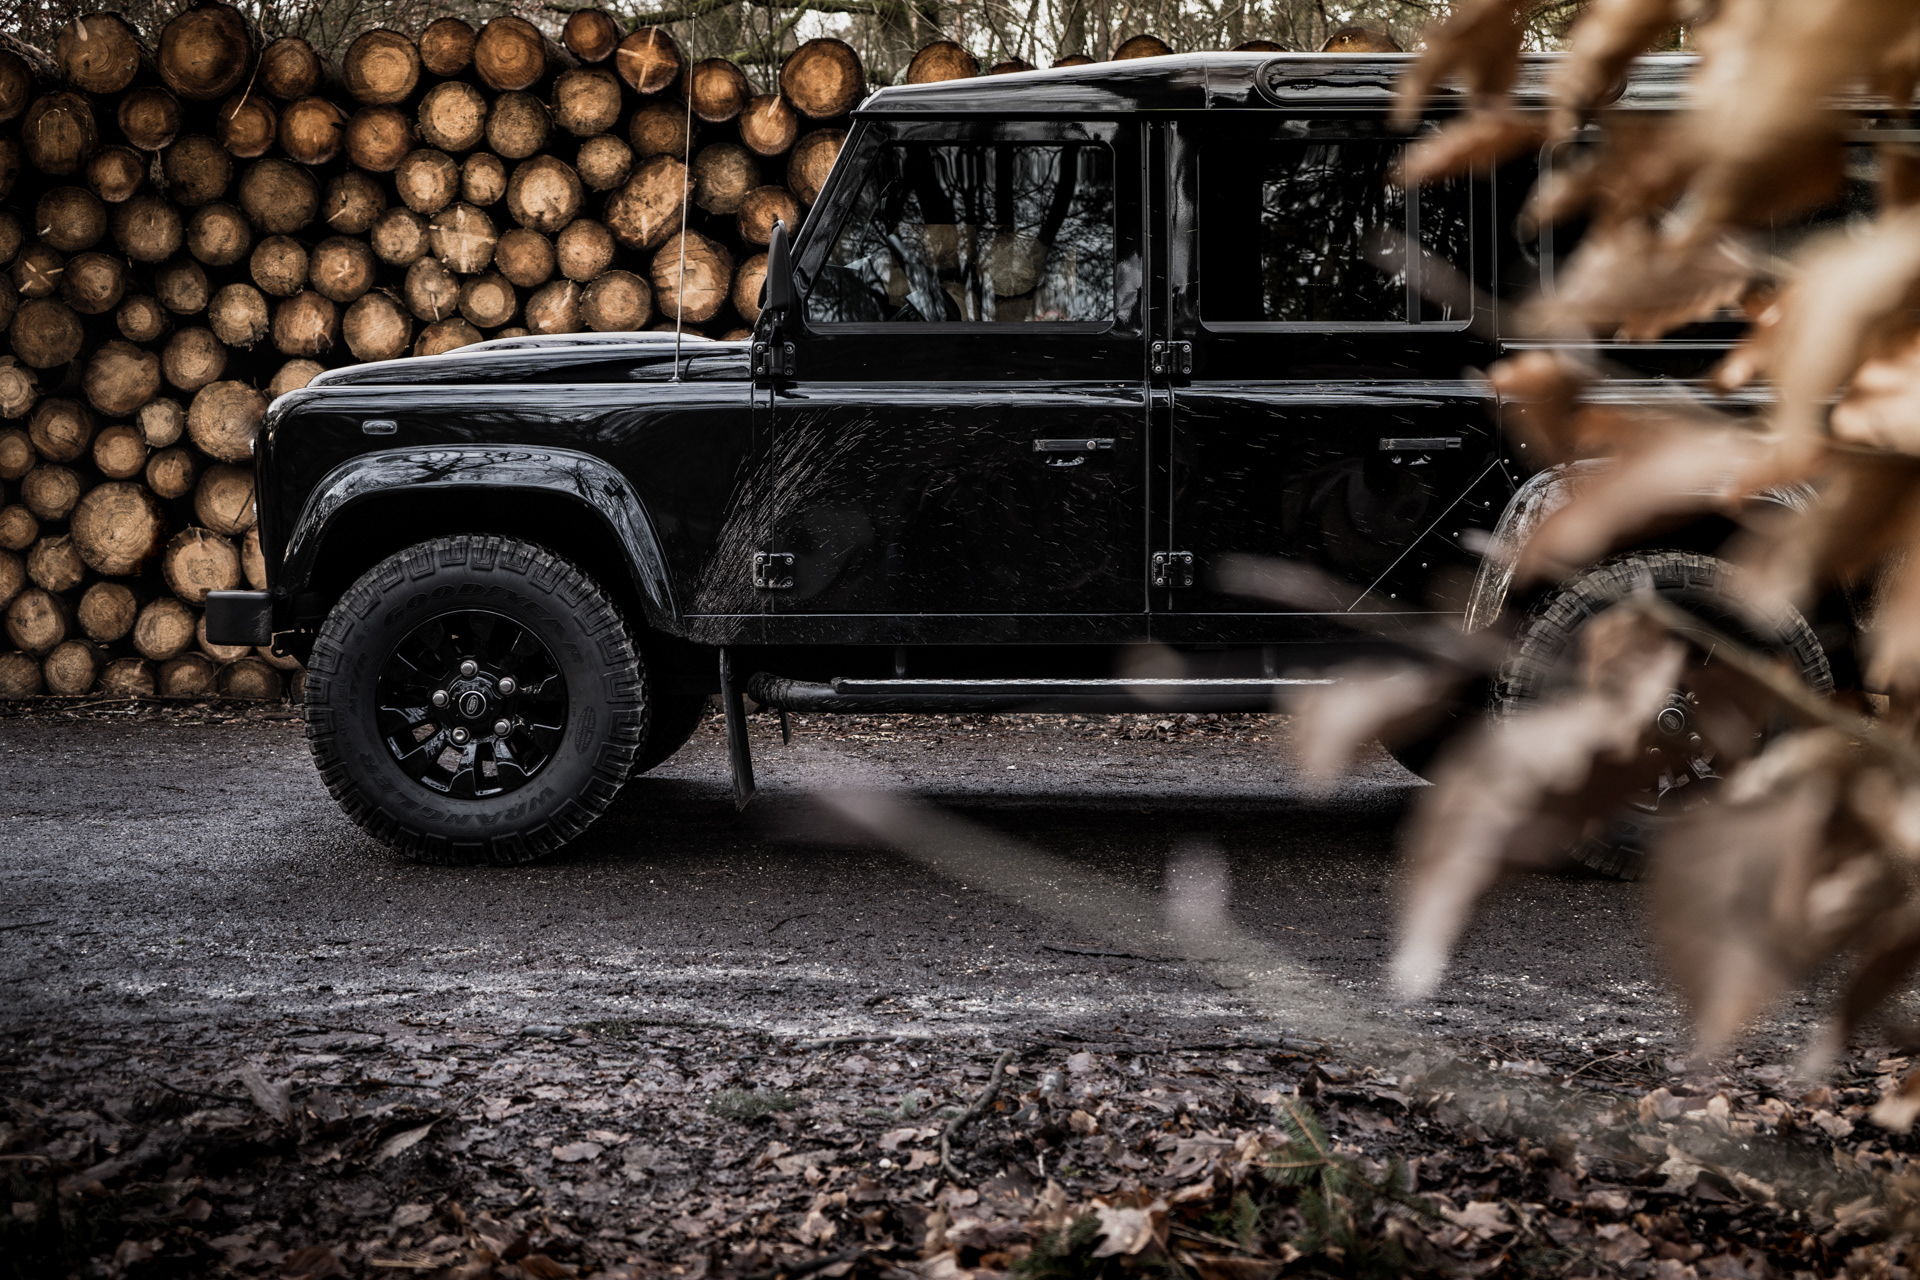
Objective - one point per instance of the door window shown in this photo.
(1330, 230)
(971, 233)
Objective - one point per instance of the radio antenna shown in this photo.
(686, 179)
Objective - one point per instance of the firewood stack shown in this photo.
(195, 223)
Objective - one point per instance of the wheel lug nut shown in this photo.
(507, 686)
(468, 667)
(439, 698)
(459, 737)
(502, 728)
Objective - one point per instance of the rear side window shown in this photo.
(974, 233)
(1330, 232)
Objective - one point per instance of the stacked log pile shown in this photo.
(194, 223)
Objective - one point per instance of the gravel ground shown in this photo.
(172, 867)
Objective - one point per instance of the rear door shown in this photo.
(962, 433)
(1324, 406)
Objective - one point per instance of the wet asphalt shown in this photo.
(165, 871)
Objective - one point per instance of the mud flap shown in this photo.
(739, 754)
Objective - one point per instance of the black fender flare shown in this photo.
(589, 482)
(1544, 493)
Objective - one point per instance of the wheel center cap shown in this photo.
(473, 704)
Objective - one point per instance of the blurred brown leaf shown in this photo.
(315, 1262)
(1539, 395)
(1605, 39)
(1388, 701)
(1479, 140)
(1881, 407)
(274, 1098)
(1630, 282)
(1479, 42)
(1860, 508)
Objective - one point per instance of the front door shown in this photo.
(960, 440)
(1324, 408)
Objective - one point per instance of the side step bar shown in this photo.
(850, 695)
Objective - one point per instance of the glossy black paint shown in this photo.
(907, 468)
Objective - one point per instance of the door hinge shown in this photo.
(1173, 568)
(773, 360)
(1170, 358)
(773, 570)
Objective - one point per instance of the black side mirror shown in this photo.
(776, 295)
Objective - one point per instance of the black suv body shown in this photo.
(1060, 344)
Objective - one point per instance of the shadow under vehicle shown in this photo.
(1050, 349)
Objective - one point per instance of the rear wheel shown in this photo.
(475, 699)
(675, 718)
(1681, 774)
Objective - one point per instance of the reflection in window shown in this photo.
(1332, 232)
(976, 232)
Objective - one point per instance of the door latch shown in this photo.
(773, 570)
(1169, 358)
(773, 360)
(1173, 568)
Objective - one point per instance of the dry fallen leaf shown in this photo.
(399, 1142)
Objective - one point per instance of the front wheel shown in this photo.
(475, 699)
(1681, 770)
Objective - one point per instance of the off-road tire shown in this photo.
(674, 720)
(566, 610)
(1547, 645)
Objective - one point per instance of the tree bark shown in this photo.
(279, 265)
(19, 388)
(107, 611)
(659, 129)
(290, 68)
(149, 117)
(191, 675)
(162, 421)
(769, 125)
(518, 125)
(812, 161)
(13, 577)
(488, 301)
(19, 677)
(118, 527)
(942, 60)
(697, 295)
(399, 237)
(648, 60)
(71, 668)
(583, 249)
(427, 180)
(141, 318)
(341, 268)
(225, 417)
(1142, 46)
(195, 169)
(119, 379)
(50, 491)
(99, 53)
(604, 162)
(591, 35)
(379, 138)
(192, 359)
(544, 194)
(292, 376)
(586, 101)
(279, 197)
(312, 130)
(463, 237)
(36, 271)
(219, 234)
(446, 46)
(116, 172)
(650, 207)
(823, 78)
(196, 562)
(719, 89)
(172, 473)
(239, 315)
(45, 332)
(246, 125)
(723, 174)
(94, 283)
(248, 680)
(206, 52)
(453, 117)
(377, 327)
(616, 302)
(61, 429)
(381, 68)
(526, 257)
(163, 630)
(304, 325)
(253, 563)
(483, 179)
(120, 452)
(18, 527)
(554, 308)
(352, 202)
(223, 500)
(511, 54)
(431, 292)
(24, 70)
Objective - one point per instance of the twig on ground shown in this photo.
(25, 924)
(1597, 1061)
(790, 919)
(830, 1042)
(972, 1113)
(1066, 949)
(195, 1093)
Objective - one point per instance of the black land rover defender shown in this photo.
(1049, 348)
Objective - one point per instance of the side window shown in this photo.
(974, 233)
(1331, 232)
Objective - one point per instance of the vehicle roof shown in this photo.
(1216, 81)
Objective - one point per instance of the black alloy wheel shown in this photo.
(475, 699)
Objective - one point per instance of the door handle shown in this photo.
(1417, 444)
(1077, 444)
